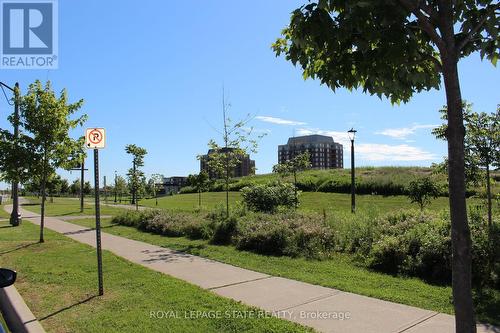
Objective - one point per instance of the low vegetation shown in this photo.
(369, 180)
(406, 242)
(59, 286)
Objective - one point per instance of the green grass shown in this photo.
(3, 324)
(340, 272)
(332, 203)
(68, 207)
(57, 279)
(3, 213)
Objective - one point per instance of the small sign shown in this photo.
(95, 138)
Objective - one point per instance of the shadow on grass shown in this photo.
(487, 303)
(18, 248)
(67, 308)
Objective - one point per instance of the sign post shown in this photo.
(95, 139)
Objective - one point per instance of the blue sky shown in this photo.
(152, 72)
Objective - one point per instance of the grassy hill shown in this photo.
(369, 180)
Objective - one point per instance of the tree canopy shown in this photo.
(389, 48)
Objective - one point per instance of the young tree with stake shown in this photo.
(395, 48)
(237, 142)
(135, 175)
(298, 163)
(46, 121)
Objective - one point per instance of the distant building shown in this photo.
(325, 153)
(244, 168)
(173, 184)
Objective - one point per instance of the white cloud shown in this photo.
(383, 152)
(340, 137)
(403, 132)
(375, 151)
(279, 121)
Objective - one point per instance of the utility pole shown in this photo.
(14, 216)
(82, 170)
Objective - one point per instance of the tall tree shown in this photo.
(74, 188)
(121, 187)
(482, 146)
(14, 159)
(47, 121)
(154, 182)
(292, 167)
(200, 183)
(237, 142)
(135, 175)
(395, 48)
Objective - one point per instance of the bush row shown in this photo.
(409, 243)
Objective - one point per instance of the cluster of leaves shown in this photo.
(136, 178)
(269, 197)
(481, 142)
(43, 144)
(422, 191)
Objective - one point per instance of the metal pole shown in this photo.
(353, 196)
(115, 186)
(98, 221)
(82, 185)
(14, 216)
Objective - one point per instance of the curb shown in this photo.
(18, 316)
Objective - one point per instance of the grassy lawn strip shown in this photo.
(68, 207)
(332, 203)
(3, 214)
(57, 279)
(340, 272)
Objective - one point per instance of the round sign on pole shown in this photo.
(95, 138)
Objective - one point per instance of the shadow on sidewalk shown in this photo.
(67, 308)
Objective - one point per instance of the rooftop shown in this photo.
(315, 138)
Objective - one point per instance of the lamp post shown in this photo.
(352, 134)
(115, 186)
(14, 216)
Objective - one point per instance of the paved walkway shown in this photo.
(81, 217)
(307, 304)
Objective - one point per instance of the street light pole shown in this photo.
(352, 134)
(14, 216)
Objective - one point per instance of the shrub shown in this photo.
(166, 223)
(267, 198)
(422, 191)
(290, 234)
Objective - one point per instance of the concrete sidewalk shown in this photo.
(325, 309)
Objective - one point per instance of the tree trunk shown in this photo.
(460, 232)
(42, 211)
(199, 198)
(227, 185)
(134, 184)
(488, 194)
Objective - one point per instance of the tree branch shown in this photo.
(476, 28)
(424, 23)
(431, 12)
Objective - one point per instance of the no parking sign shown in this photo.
(95, 138)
